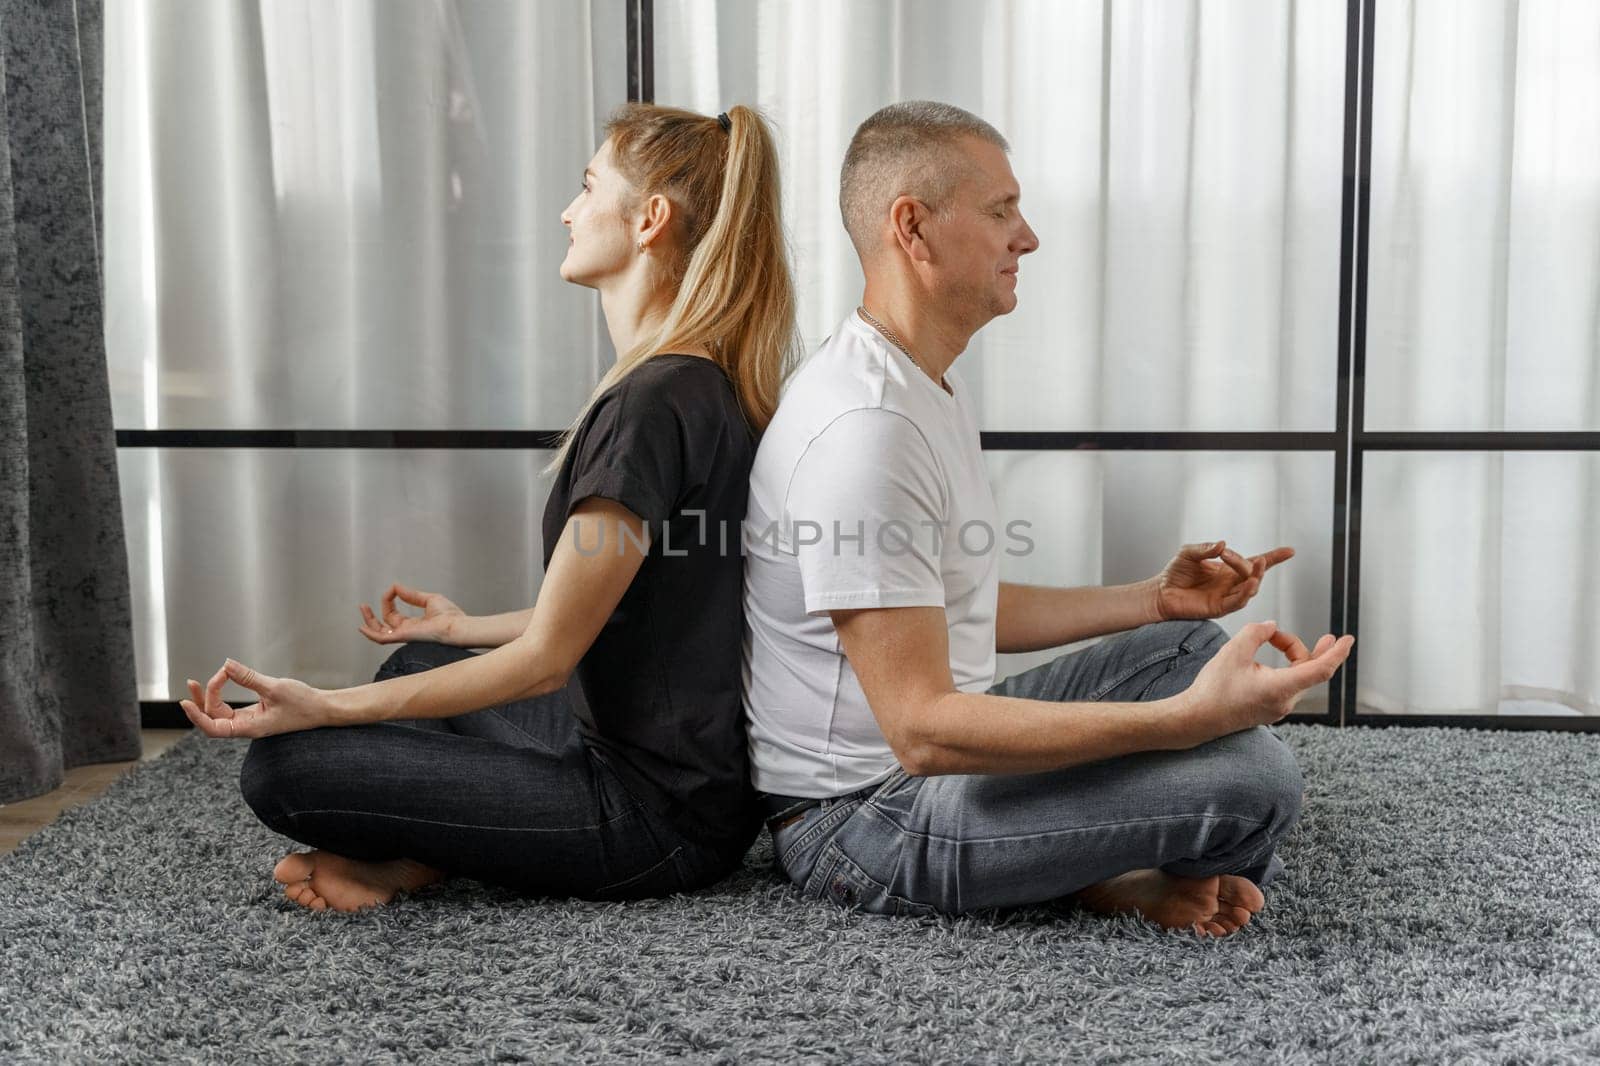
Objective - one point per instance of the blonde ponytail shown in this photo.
(735, 295)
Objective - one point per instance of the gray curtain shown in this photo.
(67, 685)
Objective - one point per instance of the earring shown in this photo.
(640, 246)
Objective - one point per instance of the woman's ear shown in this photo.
(655, 218)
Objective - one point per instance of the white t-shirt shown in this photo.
(868, 490)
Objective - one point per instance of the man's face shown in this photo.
(978, 244)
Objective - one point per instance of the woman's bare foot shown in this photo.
(1214, 906)
(321, 879)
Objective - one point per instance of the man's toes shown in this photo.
(1237, 915)
(1241, 892)
(296, 866)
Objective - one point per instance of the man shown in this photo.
(1135, 775)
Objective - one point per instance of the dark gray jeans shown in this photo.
(508, 794)
(957, 842)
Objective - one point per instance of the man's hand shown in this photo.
(1234, 692)
(1192, 588)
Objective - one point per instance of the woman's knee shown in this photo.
(416, 656)
(269, 775)
(259, 774)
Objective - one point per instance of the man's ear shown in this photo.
(908, 220)
(653, 220)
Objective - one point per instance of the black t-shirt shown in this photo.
(657, 695)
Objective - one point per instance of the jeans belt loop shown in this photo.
(795, 811)
(790, 814)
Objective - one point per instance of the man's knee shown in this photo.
(1205, 635)
(1189, 634)
(1283, 786)
(1263, 778)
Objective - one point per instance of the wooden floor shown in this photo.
(82, 784)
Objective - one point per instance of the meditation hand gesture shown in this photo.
(438, 615)
(286, 705)
(1191, 588)
(1234, 692)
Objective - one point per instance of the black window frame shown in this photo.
(1349, 441)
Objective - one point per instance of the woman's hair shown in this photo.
(734, 297)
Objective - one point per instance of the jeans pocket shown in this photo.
(695, 868)
(839, 880)
(796, 846)
(892, 784)
(661, 878)
(784, 850)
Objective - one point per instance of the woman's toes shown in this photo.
(302, 894)
(296, 866)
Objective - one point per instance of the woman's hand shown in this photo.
(286, 705)
(1191, 588)
(438, 617)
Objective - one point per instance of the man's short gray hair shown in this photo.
(902, 150)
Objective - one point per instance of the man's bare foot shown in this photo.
(1214, 906)
(321, 879)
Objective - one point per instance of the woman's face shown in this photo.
(601, 242)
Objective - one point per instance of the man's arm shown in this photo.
(580, 591)
(1032, 617)
(901, 657)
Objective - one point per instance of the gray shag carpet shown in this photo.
(1439, 905)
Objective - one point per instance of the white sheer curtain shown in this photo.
(344, 215)
(340, 215)
(1480, 571)
(1182, 163)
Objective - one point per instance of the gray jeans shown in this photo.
(958, 842)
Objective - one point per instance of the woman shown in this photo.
(598, 750)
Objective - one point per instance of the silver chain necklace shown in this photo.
(892, 338)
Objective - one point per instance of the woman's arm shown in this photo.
(488, 630)
(580, 591)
